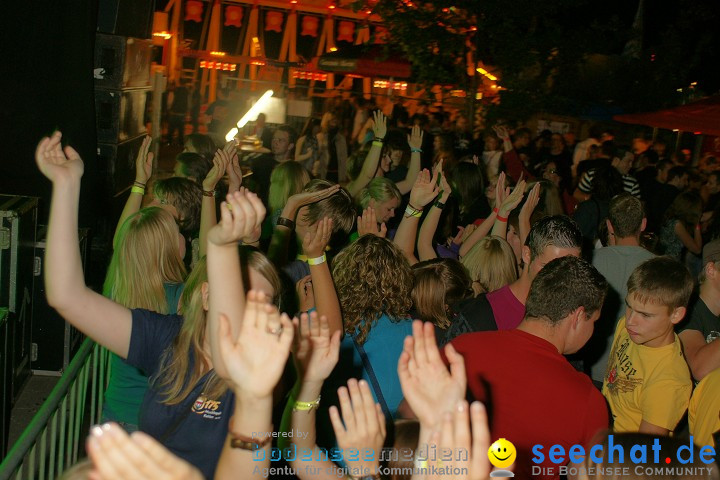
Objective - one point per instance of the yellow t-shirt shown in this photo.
(704, 408)
(645, 383)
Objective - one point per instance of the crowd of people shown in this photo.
(398, 283)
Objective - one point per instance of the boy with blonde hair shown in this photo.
(647, 383)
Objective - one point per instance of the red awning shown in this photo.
(702, 116)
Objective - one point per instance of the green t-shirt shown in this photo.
(127, 385)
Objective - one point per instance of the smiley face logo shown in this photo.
(502, 453)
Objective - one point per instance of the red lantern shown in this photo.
(273, 21)
(381, 35)
(346, 31)
(193, 11)
(310, 26)
(233, 16)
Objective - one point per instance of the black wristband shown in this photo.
(439, 204)
(379, 139)
(286, 222)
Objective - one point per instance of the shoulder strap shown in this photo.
(373, 379)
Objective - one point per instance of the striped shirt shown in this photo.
(630, 184)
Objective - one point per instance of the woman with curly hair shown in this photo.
(374, 284)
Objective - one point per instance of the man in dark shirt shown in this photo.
(698, 336)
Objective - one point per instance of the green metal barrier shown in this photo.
(50, 444)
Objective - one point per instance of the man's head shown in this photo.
(710, 273)
(678, 177)
(626, 217)
(713, 182)
(568, 294)
(658, 293)
(663, 167)
(640, 145)
(623, 164)
(551, 238)
(182, 198)
(283, 141)
(339, 207)
(522, 137)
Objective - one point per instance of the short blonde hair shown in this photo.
(379, 189)
(491, 263)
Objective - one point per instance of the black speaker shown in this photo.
(122, 62)
(130, 18)
(120, 114)
(116, 162)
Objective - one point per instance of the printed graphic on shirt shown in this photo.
(621, 364)
(209, 409)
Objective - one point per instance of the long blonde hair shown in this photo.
(146, 256)
(176, 379)
(286, 180)
(491, 263)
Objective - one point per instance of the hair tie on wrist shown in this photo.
(501, 219)
(416, 150)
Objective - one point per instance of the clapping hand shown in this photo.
(57, 163)
(240, 217)
(415, 138)
(379, 124)
(367, 223)
(364, 427)
(529, 206)
(429, 388)
(144, 162)
(118, 456)
(425, 189)
(513, 200)
(221, 160)
(254, 363)
(315, 351)
(233, 170)
(501, 131)
(453, 435)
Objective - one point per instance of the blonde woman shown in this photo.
(146, 271)
(187, 407)
(286, 180)
(491, 264)
(383, 196)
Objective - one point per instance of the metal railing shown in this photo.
(50, 444)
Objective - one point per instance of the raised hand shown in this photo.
(429, 388)
(415, 138)
(364, 426)
(255, 362)
(306, 198)
(316, 351)
(315, 241)
(467, 232)
(367, 223)
(221, 160)
(512, 200)
(379, 124)
(118, 456)
(501, 131)
(445, 188)
(425, 189)
(501, 191)
(453, 435)
(241, 215)
(233, 170)
(144, 162)
(532, 201)
(57, 163)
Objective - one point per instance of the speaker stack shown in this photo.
(123, 54)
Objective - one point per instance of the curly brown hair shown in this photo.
(372, 278)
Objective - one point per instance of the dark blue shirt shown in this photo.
(196, 428)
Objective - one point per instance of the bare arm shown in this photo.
(692, 242)
(370, 165)
(326, 299)
(208, 218)
(242, 213)
(301, 157)
(422, 193)
(143, 172)
(429, 225)
(646, 427)
(415, 141)
(255, 363)
(702, 357)
(103, 320)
